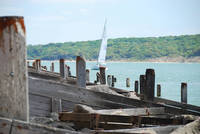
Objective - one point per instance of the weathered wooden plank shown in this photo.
(92, 98)
(112, 126)
(88, 117)
(79, 94)
(157, 130)
(114, 105)
(39, 112)
(158, 121)
(44, 76)
(74, 117)
(42, 106)
(135, 111)
(20, 127)
(136, 120)
(114, 118)
(105, 126)
(119, 133)
(120, 91)
(75, 94)
(67, 105)
(39, 99)
(177, 104)
(39, 105)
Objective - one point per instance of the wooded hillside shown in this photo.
(121, 48)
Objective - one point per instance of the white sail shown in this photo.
(102, 52)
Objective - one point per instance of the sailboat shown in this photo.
(102, 53)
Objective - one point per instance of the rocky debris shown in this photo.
(135, 131)
(190, 128)
(85, 130)
(147, 130)
(78, 108)
(50, 122)
(185, 117)
(118, 112)
(131, 94)
(103, 88)
(22, 127)
(55, 116)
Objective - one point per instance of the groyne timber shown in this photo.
(34, 100)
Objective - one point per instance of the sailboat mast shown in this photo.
(102, 52)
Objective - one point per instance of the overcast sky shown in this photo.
(76, 20)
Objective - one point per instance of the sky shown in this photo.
(53, 21)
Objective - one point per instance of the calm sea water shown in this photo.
(169, 75)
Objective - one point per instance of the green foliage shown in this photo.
(121, 48)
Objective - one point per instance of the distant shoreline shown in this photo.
(153, 60)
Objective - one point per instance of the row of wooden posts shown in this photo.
(82, 73)
(146, 82)
(147, 86)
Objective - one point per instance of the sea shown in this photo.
(168, 75)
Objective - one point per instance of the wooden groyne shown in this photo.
(65, 94)
(149, 98)
(60, 99)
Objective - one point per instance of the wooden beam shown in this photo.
(134, 111)
(137, 120)
(74, 117)
(158, 130)
(177, 104)
(92, 98)
(119, 133)
(121, 119)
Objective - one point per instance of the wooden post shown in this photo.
(98, 77)
(38, 64)
(102, 75)
(56, 105)
(184, 92)
(109, 80)
(52, 67)
(113, 81)
(14, 101)
(62, 68)
(80, 71)
(150, 85)
(33, 64)
(28, 63)
(158, 90)
(127, 82)
(136, 86)
(66, 71)
(142, 84)
(87, 75)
